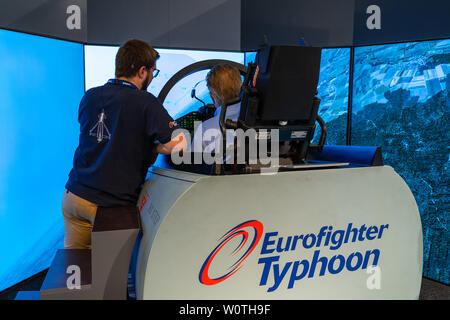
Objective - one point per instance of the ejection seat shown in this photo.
(280, 99)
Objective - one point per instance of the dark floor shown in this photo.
(433, 290)
(33, 283)
(430, 290)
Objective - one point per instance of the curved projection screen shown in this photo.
(402, 103)
(100, 66)
(41, 84)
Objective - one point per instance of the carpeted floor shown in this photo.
(433, 290)
(430, 290)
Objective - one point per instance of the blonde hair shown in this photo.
(224, 82)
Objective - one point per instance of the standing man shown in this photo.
(122, 129)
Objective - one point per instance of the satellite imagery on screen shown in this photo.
(401, 102)
(333, 93)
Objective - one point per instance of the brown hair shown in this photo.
(224, 82)
(132, 55)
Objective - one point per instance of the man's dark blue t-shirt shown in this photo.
(118, 126)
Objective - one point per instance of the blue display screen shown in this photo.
(333, 94)
(100, 66)
(41, 84)
(401, 102)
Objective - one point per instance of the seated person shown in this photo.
(224, 84)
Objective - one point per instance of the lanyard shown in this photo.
(122, 82)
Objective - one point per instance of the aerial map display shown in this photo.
(333, 93)
(401, 102)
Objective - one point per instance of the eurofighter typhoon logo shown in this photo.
(250, 233)
(323, 244)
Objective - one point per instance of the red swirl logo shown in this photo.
(238, 231)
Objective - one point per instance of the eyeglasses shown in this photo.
(155, 73)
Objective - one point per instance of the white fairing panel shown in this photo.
(350, 233)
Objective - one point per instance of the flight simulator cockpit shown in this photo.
(278, 106)
(314, 222)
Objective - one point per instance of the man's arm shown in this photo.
(177, 144)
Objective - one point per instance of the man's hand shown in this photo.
(177, 144)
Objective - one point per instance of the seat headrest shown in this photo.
(289, 84)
